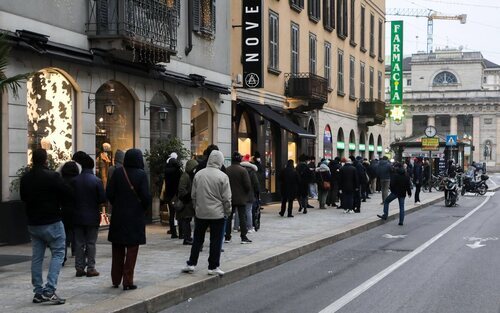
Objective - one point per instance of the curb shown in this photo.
(164, 295)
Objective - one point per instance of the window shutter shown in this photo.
(102, 15)
(196, 15)
(213, 17)
(345, 17)
(178, 8)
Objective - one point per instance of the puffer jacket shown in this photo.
(185, 187)
(252, 170)
(211, 192)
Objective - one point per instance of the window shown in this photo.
(352, 94)
(353, 14)
(328, 64)
(273, 41)
(340, 77)
(372, 35)
(204, 17)
(314, 10)
(408, 82)
(295, 48)
(379, 85)
(445, 78)
(312, 53)
(380, 46)
(362, 30)
(342, 18)
(297, 5)
(371, 83)
(329, 14)
(362, 81)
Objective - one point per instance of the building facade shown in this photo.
(323, 87)
(458, 93)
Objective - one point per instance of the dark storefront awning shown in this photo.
(272, 116)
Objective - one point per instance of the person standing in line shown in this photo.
(304, 181)
(289, 182)
(89, 195)
(363, 178)
(417, 178)
(366, 165)
(254, 192)
(373, 175)
(349, 184)
(128, 192)
(206, 153)
(119, 155)
(427, 175)
(384, 173)
(43, 191)
(211, 196)
(400, 186)
(335, 166)
(313, 188)
(240, 188)
(187, 213)
(323, 179)
(172, 176)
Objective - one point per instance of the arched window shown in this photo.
(352, 143)
(340, 143)
(445, 78)
(201, 126)
(327, 143)
(244, 136)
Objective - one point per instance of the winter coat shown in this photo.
(43, 191)
(211, 191)
(185, 188)
(384, 169)
(322, 175)
(89, 194)
(118, 163)
(418, 174)
(203, 164)
(128, 225)
(349, 179)
(360, 169)
(306, 177)
(289, 182)
(254, 181)
(172, 176)
(372, 169)
(69, 171)
(335, 172)
(400, 183)
(240, 184)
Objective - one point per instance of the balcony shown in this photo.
(371, 112)
(142, 31)
(309, 87)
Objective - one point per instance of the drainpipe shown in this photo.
(189, 46)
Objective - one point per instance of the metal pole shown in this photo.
(430, 170)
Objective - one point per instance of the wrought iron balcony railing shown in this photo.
(148, 27)
(306, 86)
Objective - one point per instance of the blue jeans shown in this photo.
(401, 200)
(43, 236)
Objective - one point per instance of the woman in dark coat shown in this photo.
(187, 213)
(68, 171)
(289, 187)
(128, 192)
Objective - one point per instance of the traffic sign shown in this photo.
(430, 144)
(451, 140)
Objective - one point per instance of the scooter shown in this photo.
(450, 191)
(478, 187)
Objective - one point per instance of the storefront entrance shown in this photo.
(201, 126)
(340, 143)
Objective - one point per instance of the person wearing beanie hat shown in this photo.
(172, 177)
(246, 158)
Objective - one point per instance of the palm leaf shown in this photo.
(8, 82)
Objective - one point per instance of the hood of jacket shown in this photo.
(323, 168)
(191, 166)
(249, 165)
(216, 159)
(119, 156)
(70, 169)
(133, 158)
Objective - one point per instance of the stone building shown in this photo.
(458, 93)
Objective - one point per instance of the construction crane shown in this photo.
(431, 15)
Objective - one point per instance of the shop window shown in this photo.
(244, 141)
(50, 115)
(352, 143)
(292, 148)
(162, 126)
(270, 158)
(327, 143)
(340, 143)
(311, 144)
(201, 127)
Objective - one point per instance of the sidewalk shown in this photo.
(158, 270)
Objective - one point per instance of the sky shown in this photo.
(480, 33)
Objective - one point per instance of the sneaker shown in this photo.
(245, 241)
(52, 298)
(188, 269)
(38, 298)
(227, 240)
(216, 271)
(251, 230)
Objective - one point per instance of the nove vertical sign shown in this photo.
(397, 62)
(252, 56)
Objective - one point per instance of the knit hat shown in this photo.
(246, 158)
(173, 155)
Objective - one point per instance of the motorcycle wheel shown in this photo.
(447, 203)
(463, 191)
(481, 190)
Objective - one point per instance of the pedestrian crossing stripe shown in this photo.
(488, 194)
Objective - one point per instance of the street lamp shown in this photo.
(109, 106)
(163, 114)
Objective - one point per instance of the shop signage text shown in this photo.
(430, 144)
(396, 62)
(252, 44)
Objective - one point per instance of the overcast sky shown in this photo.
(481, 32)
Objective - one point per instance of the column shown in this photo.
(431, 120)
(453, 125)
(408, 126)
(476, 138)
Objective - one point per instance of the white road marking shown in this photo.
(493, 182)
(475, 245)
(356, 292)
(389, 236)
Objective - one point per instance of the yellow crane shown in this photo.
(431, 15)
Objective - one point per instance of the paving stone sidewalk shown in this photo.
(158, 270)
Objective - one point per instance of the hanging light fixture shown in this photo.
(163, 112)
(109, 106)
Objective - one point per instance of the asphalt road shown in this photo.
(423, 266)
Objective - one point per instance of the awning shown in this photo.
(272, 116)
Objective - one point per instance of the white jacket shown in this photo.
(211, 192)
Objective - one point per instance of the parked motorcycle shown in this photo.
(450, 191)
(478, 187)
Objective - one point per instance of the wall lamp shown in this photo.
(163, 112)
(109, 105)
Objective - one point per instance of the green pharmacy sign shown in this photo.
(397, 62)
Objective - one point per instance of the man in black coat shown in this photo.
(173, 174)
(418, 176)
(305, 178)
(289, 185)
(363, 182)
(400, 186)
(44, 191)
(349, 184)
(335, 167)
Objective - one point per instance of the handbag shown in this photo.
(326, 184)
(178, 204)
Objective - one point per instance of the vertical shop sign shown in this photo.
(252, 56)
(396, 62)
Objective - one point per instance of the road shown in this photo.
(442, 260)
